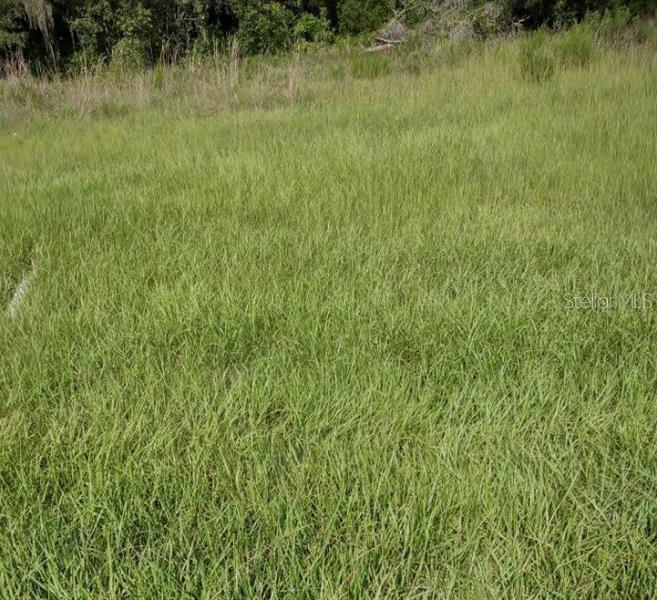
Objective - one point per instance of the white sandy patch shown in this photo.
(19, 295)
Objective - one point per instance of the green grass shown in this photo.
(325, 349)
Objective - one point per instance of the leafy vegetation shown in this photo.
(281, 331)
(11, 36)
(78, 34)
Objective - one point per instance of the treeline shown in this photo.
(71, 33)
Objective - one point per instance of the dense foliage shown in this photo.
(70, 33)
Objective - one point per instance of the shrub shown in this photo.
(575, 47)
(265, 28)
(359, 16)
(313, 29)
(129, 53)
(536, 60)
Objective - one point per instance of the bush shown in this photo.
(129, 53)
(536, 60)
(359, 16)
(265, 28)
(575, 47)
(313, 29)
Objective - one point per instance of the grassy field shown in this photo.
(332, 338)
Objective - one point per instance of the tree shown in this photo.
(12, 35)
